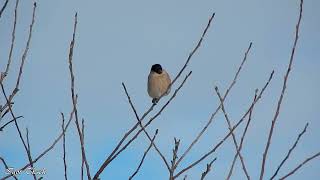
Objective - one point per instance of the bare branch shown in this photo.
(3, 7)
(16, 124)
(194, 50)
(47, 149)
(300, 165)
(6, 166)
(5, 73)
(144, 130)
(29, 153)
(64, 147)
(208, 169)
(174, 158)
(2, 127)
(290, 151)
(5, 112)
(265, 153)
(74, 95)
(24, 56)
(82, 162)
(242, 139)
(226, 137)
(144, 155)
(217, 109)
(232, 134)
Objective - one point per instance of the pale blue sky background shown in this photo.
(118, 41)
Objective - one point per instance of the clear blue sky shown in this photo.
(118, 41)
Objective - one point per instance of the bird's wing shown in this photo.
(166, 81)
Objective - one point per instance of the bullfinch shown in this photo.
(158, 83)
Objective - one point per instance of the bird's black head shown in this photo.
(156, 68)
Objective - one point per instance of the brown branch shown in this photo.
(174, 158)
(64, 148)
(208, 169)
(6, 166)
(3, 7)
(232, 134)
(242, 139)
(29, 153)
(194, 50)
(74, 95)
(113, 154)
(226, 137)
(17, 126)
(110, 159)
(144, 155)
(290, 151)
(265, 153)
(300, 165)
(144, 130)
(24, 56)
(217, 109)
(2, 127)
(47, 149)
(82, 161)
(13, 37)
(5, 113)
(115, 150)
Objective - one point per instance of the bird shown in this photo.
(158, 83)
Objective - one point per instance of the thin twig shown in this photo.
(82, 161)
(64, 148)
(13, 37)
(24, 55)
(208, 169)
(174, 158)
(74, 95)
(115, 150)
(265, 153)
(300, 165)
(2, 127)
(7, 110)
(29, 154)
(217, 109)
(144, 156)
(23, 59)
(47, 149)
(6, 166)
(144, 130)
(242, 138)
(194, 50)
(3, 7)
(290, 151)
(232, 134)
(226, 137)
(17, 125)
